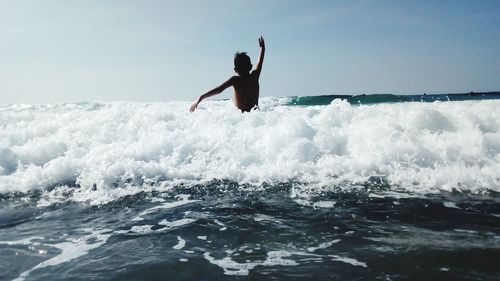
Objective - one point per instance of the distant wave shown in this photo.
(385, 98)
(102, 151)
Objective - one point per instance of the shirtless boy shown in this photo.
(245, 84)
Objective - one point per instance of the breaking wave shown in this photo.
(101, 151)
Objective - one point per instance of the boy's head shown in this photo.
(242, 64)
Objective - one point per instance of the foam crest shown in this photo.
(104, 151)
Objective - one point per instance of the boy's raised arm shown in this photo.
(213, 92)
(261, 55)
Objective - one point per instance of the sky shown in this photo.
(55, 51)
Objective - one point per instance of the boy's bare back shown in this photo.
(246, 91)
(245, 84)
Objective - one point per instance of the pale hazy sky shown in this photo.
(111, 50)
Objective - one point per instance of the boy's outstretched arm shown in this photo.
(212, 92)
(262, 45)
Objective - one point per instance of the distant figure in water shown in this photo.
(245, 84)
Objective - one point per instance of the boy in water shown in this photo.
(245, 84)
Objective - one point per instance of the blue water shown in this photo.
(329, 190)
(388, 98)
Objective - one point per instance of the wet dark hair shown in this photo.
(242, 62)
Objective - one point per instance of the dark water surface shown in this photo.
(225, 231)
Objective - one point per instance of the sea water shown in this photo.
(306, 188)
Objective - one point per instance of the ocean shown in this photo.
(370, 187)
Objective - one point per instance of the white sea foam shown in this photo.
(70, 250)
(143, 229)
(177, 223)
(348, 260)
(274, 258)
(451, 205)
(323, 245)
(231, 267)
(179, 244)
(27, 241)
(167, 205)
(109, 150)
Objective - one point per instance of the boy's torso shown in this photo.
(246, 91)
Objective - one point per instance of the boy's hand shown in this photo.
(261, 43)
(193, 106)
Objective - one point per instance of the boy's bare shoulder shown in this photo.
(255, 73)
(230, 82)
(235, 79)
(232, 79)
